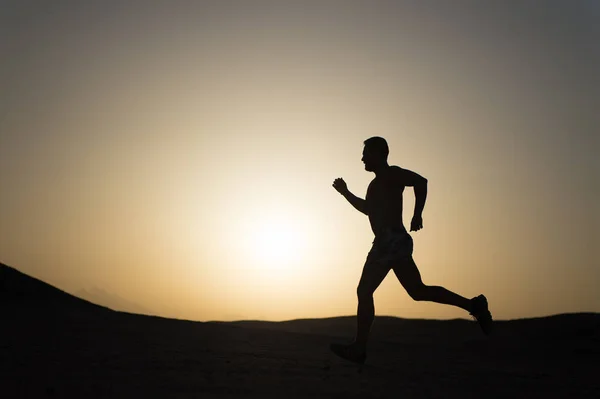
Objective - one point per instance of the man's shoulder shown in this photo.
(397, 174)
(396, 170)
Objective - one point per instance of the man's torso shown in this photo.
(384, 202)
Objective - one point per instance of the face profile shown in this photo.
(367, 159)
(372, 159)
(375, 153)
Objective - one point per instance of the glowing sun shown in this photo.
(277, 241)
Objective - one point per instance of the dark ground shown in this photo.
(55, 345)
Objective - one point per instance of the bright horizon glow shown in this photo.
(276, 242)
(180, 155)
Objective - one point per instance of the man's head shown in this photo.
(375, 153)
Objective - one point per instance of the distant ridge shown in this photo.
(20, 290)
(560, 326)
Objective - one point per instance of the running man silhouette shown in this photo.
(393, 246)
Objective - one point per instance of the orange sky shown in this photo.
(181, 156)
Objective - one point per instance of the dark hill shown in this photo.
(20, 290)
(53, 344)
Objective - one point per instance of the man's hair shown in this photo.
(378, 145)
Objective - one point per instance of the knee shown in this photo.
(418, 293)
(364, 293)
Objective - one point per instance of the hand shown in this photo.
(417, 223)
(340, 185)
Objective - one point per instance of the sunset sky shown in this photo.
(180, 154)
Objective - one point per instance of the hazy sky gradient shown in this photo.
(158, 150)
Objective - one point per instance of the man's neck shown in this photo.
(381, 169)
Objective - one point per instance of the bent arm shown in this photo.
(419, 183)
(420, 196)
(358, 203)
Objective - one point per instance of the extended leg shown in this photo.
(410, 278)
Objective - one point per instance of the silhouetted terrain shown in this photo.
(53, 344)
(111, 300)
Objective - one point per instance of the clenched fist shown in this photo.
(416, 223)
(340, 185)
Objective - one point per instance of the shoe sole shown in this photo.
(338, 351)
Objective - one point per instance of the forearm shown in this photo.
(358, 203)
(420, 197)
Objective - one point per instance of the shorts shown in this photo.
(390, 248)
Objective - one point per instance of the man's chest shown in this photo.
(383, 190)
